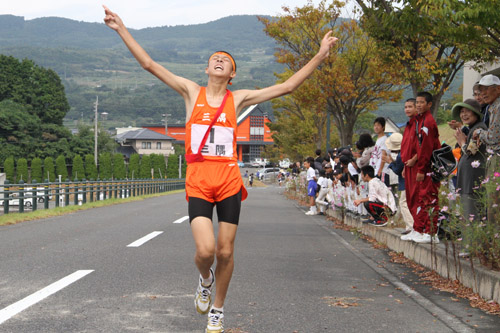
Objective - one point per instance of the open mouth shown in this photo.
(219, 67)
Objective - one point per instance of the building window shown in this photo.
(255, 152)
(146, 145)
(158, 145)
(257, 128)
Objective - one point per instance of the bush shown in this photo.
(61, 167)
(48, 169)
(134, 166)
(105, 166)
(173, 166)
(36, 170)
(22, 170)
(119, 171)
(90, 167)
(145, 168)
(9, 169)
(78, 169)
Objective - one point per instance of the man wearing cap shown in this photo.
(489, 86)
(469, 177)
(213, 177)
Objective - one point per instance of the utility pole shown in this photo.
(96, 105)
(166, 122)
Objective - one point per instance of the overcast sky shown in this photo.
(140, 14)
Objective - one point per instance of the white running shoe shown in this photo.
(203, 296)
(409, 237)
(215, 322)
(426, 239)
(310, 212)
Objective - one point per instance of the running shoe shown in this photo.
(379, 223)
(215, 322)
(203, 296)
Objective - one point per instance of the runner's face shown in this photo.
(410, 109)
(220, 63)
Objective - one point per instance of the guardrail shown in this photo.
(59, 194)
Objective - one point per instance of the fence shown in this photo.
(59, 194)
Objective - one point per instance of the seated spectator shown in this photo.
(469, 177)
(380, 201)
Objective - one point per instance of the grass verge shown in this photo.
(14, 218)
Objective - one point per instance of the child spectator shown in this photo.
(380, 200)
(250, 179)
(323, 183)
(311, 185)
(380, 150)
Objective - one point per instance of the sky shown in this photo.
(147, 13)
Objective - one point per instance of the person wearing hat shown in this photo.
(489, 86)
(396, 164)
(469, 177)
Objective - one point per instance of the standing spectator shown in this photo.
(318, 161)
(311, 185)
(365, 146)
(380, 200)
(426, 205)
(296, 168)
(469, 177)
(393, 143)
(250, 179)
(380, 149)
(490, 92)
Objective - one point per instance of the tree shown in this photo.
(355, 79)
(36, 170)
(419, 36)
(48, 169)
(22, 170)
(133, 166)
(173, 166)
(9, 168)
(61, 167)
(105, 166)
(145, 168)
(160, 168)
(90, 167)
(78, 169)
(119, 171)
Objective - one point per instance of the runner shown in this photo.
(213, 177)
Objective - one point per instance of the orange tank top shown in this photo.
(221, 142)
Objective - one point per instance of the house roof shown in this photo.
(142, 134)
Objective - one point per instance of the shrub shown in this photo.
(90, 167)
(48, 169)
(119, 171)
(36, 170)
(22, 170)
(105, 166)
(134, 166)
(9, 168)
(61, 167)
(145, 168)
(78, 169)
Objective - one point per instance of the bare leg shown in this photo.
(204, 238)
(225, 261)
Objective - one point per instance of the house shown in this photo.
(252, 133)
(471, 76)
(143, 141)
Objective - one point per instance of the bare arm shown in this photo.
(186, 88)
(244, 98)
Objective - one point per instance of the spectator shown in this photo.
(490, 92)
(393, 143)
(380, 150)
(329, 171)
(311, 185)
(469, 177)
(365, 146)
(380, 201)
(250, 179)
(296, 168)
(426, 205)
(323, 184)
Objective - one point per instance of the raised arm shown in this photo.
(184, 87)
(244, 98)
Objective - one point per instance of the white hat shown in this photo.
(489, 80)
(394, 141)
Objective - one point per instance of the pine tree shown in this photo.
(134, 166)
(172, 166)
(48, 169)
(105, 166)
(61, 167)
(9, 168)
(119, 171)
(78, 169)
(145, 168)
(22, 170)
(36, 170)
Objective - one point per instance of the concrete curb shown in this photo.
(483, 281)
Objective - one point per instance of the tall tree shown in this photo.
(173, 166)
(36, 170)
(418, 36)
(49, 169)
(133, 166)
(9, 168)
(105, 166)
(354, 80)
(78, 170)
(22, 170)
(61, 167)
(90, 167)
(119, 170)
(145, 168)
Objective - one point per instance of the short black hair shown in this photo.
(380, 120)
(368, 170)
(427, 95)
(411, 100)
(310, 160)
(318, 151)
(322, 172)
(365, 141)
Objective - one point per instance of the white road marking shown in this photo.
(12, 310)
(144, 239)
(182, 219)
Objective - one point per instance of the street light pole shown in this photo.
(95, 129)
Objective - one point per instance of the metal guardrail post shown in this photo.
(34, 194)
(75, 191)
(21, 196)
(58, 188)
(46, 196)
(105, 188)
(66, 193)
(91, 197)
(6, 200)
(85, 187)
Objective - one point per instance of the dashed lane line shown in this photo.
(145, 239)
(182, 219)
(12, 310)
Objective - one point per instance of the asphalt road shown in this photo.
(85, 272)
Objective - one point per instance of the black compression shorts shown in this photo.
(228, 210)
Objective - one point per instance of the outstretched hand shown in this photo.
(111, 19)
(327, 43)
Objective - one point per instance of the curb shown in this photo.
(482, 281)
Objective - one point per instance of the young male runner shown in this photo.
(216, 180)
